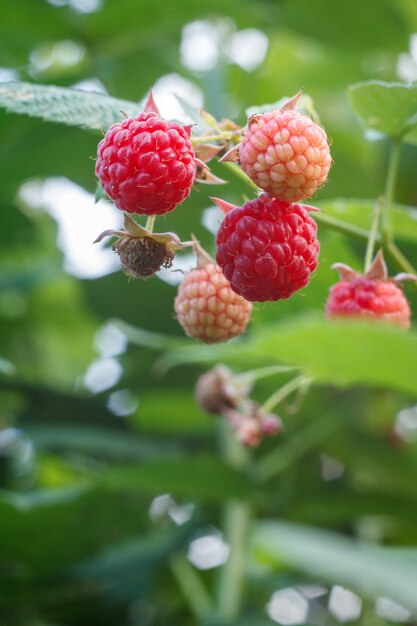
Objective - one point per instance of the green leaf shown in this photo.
(66, 106)
(370, 570)
(100, 442)
(389, 108)
(49, 517)
(174, 412)
(201, 478)
(344, 353)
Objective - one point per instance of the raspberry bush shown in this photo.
(217, 398)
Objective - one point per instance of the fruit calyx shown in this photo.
(377, 271)
(142, 252)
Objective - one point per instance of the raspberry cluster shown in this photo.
(268, 248)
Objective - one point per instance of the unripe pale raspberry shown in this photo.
(268, 248)
(208, 309)
(146, 164)
(372, 296)
(286, 154)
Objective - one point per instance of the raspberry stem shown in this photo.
(300, 382)
(390, 190)
(344, 227)
(150, 222)
(237, 171)
(237, 517)
(256, 374)
(391, 250)
(222, 136)
(373, 232)
(236, 525)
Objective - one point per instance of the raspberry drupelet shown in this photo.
(146, 164)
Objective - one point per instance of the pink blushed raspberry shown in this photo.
(286, 154)
(373, 296)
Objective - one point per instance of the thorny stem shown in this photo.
(390, 190)
(278, 396)
(376, 213)
(192, 587)
(150, 223)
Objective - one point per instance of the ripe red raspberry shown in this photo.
(146, 164)
(268, 248)
(207, 308)
(285, 153)
(373, 296)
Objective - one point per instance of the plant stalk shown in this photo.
(390, 191)
(232, 576)
(343, 227)
(237, 171)
(236, 517)
(262, 372)
(284, 391)
(150, 222)
(192, 587)
(225, 136)
(376, 214)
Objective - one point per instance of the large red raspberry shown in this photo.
(268, 248)
(207, 308)
(373, 296)
(146, 164)
(285, 153)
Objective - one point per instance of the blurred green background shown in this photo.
(110, 474)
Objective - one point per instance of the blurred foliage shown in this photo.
(78, 475)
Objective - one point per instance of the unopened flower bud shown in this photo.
(270, 425)
(249, 432)
(214, 393)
